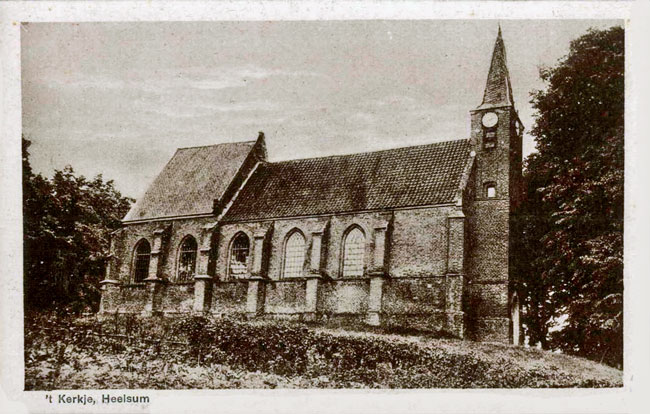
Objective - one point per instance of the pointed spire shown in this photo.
(498, 90)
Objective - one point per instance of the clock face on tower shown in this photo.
(489, 119)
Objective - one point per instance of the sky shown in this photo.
(118, 98)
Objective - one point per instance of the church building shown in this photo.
(415, 237)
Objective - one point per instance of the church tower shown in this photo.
(496, 139)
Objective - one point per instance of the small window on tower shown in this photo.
(490, 191)
(490, 139)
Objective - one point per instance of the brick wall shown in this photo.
(487, 267)
(225, 235)
(229, 297)
(177, 298)
(344, 297)
(330, 229)
(488, 224)
(405, 303)
(488, 228)
(411, 246)
(286, 297)
(368, 222)
(124, 299)
(414, 296)
(125, 239)
(418, 244)
(489, 300)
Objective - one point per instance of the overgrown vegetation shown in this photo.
(67, 220)
(193, 352)
(570, 256)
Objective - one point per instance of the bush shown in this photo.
(340, 359)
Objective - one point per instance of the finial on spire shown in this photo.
(498, 90)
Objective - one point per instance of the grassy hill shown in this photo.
(198, 353)
(501, 365)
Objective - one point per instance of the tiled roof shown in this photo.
(191, 181)
(498, 90)
(403, 177)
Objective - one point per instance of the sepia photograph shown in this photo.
(323, 204)
(308, 206)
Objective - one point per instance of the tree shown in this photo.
(571, 249)
(67, 223)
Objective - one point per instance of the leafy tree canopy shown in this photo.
(67, 223)
(570, 257)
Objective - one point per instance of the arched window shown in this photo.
(239, 252)
(186, 260)
(353, 251)
(294, 255)
(141, 262)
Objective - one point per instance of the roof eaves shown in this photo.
(167, 218)
(335, 213)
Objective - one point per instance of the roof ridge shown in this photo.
(408, 176)
(369, 152)
(216, 145)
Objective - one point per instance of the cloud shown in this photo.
(196, 109)
(83, 81)
(172, 80)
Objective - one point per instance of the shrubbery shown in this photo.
(345, 359)
(289, 349)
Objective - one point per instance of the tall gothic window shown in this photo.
(141, 262)
(294, 255)
(239, 253)
(187, 259)
(353, 251)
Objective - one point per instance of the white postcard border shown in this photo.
(637, 323)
